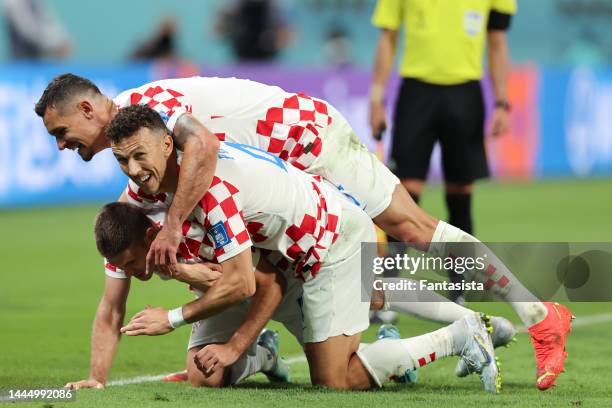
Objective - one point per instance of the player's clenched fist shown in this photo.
(91, 383)
(214, 357)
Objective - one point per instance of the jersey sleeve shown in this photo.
(388, 14)
(169, 103)
(112, 271)
(504, 6)
(220, 212)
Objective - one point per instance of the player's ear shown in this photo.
(151, 233)
(168, 145)
(86, 108)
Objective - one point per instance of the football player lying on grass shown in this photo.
(219, 352)
(226, 342)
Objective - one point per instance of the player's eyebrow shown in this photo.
(59, 131)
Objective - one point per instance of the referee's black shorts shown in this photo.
(450, 114)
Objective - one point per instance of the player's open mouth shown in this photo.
(74, 146)
(145, 178)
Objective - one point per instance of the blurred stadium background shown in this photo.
(552, 179)
(560, 88)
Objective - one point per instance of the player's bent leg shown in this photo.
(404, 220)
(414, 186)
(389, 358)
(332, 363)
(197, 378)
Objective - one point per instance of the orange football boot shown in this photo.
(548, 337)
(176, 377)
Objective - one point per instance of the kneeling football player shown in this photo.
(257, 200)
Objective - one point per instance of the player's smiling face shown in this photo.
(143, 157)
(76, 128)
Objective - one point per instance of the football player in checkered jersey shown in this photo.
(123, 234)
(75, 113)
(256, 199)
(311, 135)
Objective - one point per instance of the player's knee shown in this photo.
(332, 382)
(198, 379)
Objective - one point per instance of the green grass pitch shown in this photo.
(51, 281)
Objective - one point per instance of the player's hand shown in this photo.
(168, 271)
(90, 383)
(215, 356)
(163, 249)
(500, 122)
(378, 119)
(152, 321)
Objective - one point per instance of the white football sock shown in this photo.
(249, 364)
(387, 358)
(496, 276)
(436, 308)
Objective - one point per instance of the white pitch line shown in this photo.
(295, 359)
(137, 380)
(153, 378)
(578, 322)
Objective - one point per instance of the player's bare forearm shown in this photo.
(236, 284)
(200, 148)
(104, 342)
(383, 62)
(105, 334)
(499, 63)
(266, 299)
(199, 276)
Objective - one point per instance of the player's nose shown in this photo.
(61, 143)
(133, 168)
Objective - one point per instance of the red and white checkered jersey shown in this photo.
(257, 199)
(288, 125)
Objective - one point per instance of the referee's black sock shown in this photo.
(460, 215)
(416, 199)
(460, 211)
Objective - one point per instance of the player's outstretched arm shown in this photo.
(267, 297)
(200, 148)
(105, 334)
(236, 284)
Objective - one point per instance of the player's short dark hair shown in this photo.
(131, 119)
(61, 89)
(118, 226)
